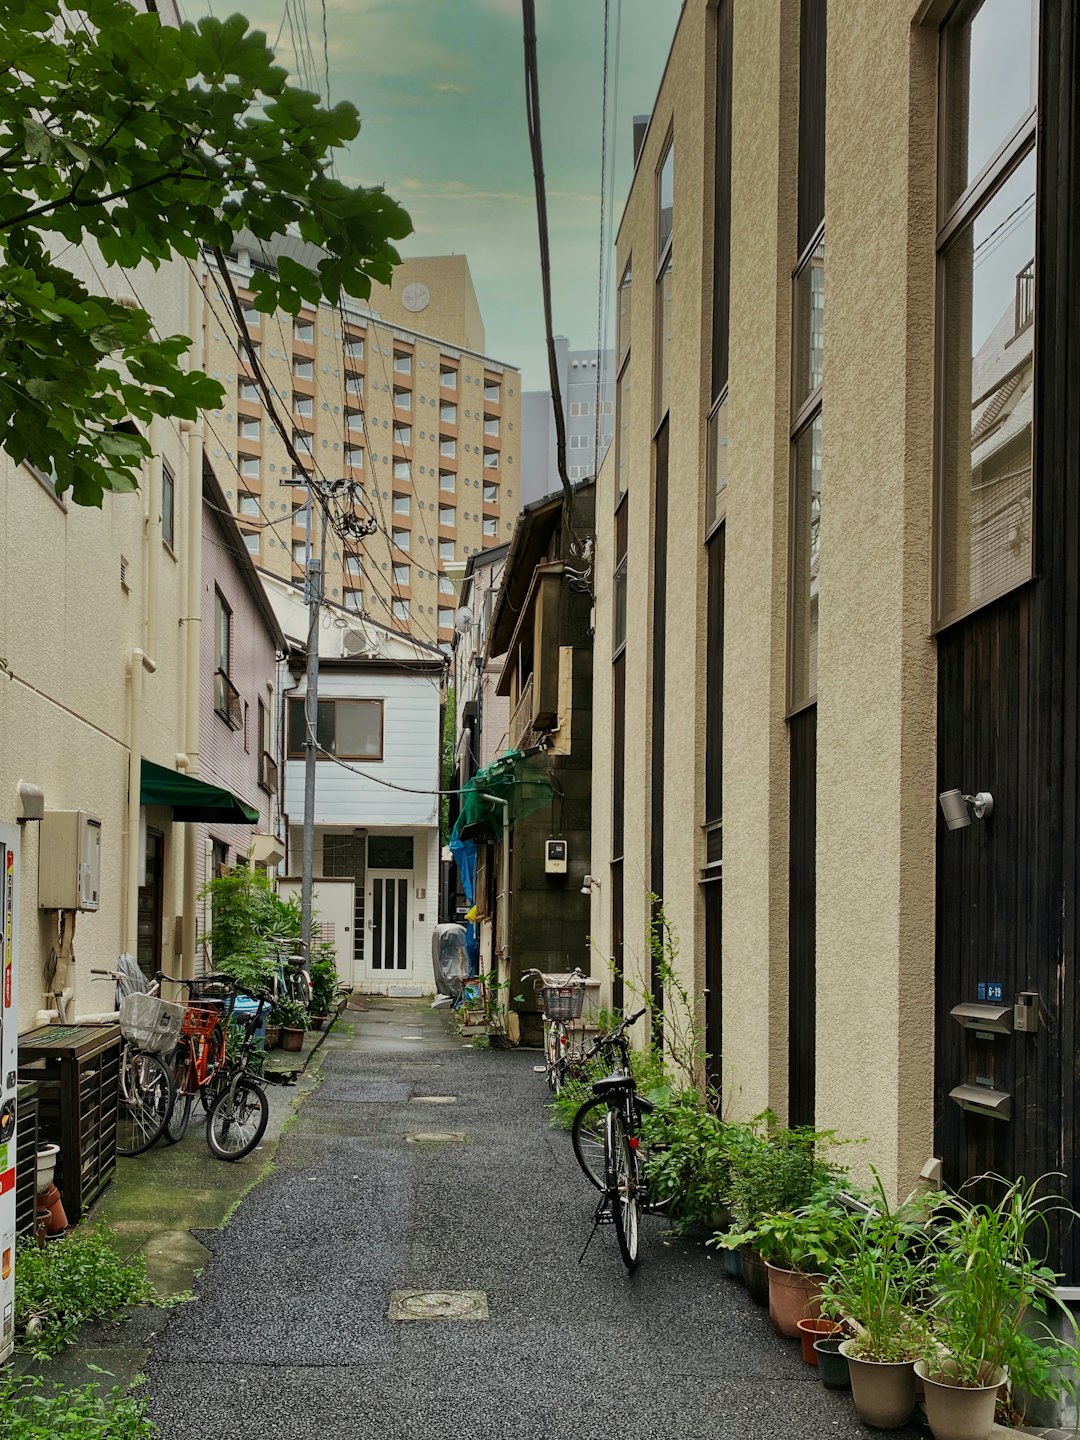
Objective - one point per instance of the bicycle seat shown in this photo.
(611, 1083)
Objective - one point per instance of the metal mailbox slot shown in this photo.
(981, 1100)
(996, 1019)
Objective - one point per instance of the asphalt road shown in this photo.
(290, 1337)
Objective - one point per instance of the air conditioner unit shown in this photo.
(355, 643)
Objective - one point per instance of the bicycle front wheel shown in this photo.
(555, 1055)
(237, 1120)
(145, 1100)
(622, 1187)
(587, 1135)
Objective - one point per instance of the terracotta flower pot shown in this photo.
(49, 1203)
(755, 1274)
(832, 1366)
(292, 1039)
(884, 1391)
(958, 1412)
(317, 1022)
(813, 1328)
(793, 1296)
(273, 1036)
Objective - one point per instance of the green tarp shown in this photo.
(511, 779)
(192, 799)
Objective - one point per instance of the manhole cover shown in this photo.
(436, 1137)
(438, 1305)
(433, 1099)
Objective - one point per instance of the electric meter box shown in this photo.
(69, 861)
(555, 857)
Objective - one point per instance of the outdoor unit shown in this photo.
(69, 861)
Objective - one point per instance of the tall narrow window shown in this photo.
(665, 216)
(168, 507)
(223, 687)
(622, 383)
(986, 264)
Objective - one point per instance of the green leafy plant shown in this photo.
(689, 1152)
(324, 981)
(71, 1281)
(992, 1293)
(810, 1238)
(289, 1014)
(244, 913)
(33, 1409)
(880, 1277)
(151, 140)
(647, 1067)
(775, 1170)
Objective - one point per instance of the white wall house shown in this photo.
(376, 801)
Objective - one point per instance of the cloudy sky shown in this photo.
(438, 84)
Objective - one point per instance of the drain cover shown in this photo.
(436, 1137)
(438, 1305)
(433, 1099)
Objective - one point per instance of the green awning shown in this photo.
(192, 799)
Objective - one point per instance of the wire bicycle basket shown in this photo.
(149, 1023)
(563, 1002)
(201, 1020)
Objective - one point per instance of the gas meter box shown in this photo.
(69, 861)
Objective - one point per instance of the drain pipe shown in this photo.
(193, 640)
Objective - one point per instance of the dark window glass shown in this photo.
(390, 852)
(168, 507)
(812, 30)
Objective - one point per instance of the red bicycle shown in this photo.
(200, 1054)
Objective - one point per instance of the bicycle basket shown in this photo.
(563, 1002)
(201, 1020)
(150, 1023)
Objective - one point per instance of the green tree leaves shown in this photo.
(143, 142)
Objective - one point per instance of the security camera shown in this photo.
(959, 809)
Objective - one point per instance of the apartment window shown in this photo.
(252, 317)
(399, 609)
(402, 398)
(249, 391)
(401, 539)
(402, 505)
(349, 729)
(491, 493)
(249, 505)
(300, 477)
(491, 526)
(446, 585)
(491, 459)
(402, 470)
(446, 549)
(448, 377)
(249, 466)
(580, 407)
(623, 326)
(622, 383)
(492, 392)
(299, 552)
(303, 369)
(402, 362)
(168, 507)
(222, 654)
(354, 350)
(354, 386)
(664, 310)
(352, 599)
(447, 447)
(403, 435)
(302, 446)
(716, 463)
(401, 574)
(247, 429)
(354, 456)
(665, 199)
(446, 618)
(304, 331)
(354, 419)
(618, 604)
(448, 413)
(251, 540)
(491, 425)
(353, 567)
(809, 323)
(304, 406)
(986, 264)
(447, 481)
(447, 515)
(805, 563)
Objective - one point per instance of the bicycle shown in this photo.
(562, 999)
(200, 1053)
(293, 977)
(239, 1112)
(149, 1026)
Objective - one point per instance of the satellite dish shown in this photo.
(463, 618)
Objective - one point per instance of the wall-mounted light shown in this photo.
(588, 885)
(960, 809)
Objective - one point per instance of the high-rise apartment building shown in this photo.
(394, 393)
(578, 382)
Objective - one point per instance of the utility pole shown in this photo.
(316, 580)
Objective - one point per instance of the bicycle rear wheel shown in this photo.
(215, 1059)
(587, 1135)
(622, 1187)
(180, 1111)
(145, 1100)
(237, 1120)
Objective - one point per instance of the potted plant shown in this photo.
(877, 1286)
(291, 1016)
(324, 981)
(991, 1295)
(688, 1164)
(800, 1248)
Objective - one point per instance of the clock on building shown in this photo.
(415, 296)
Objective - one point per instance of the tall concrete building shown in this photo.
(394, 393)
(577, 380)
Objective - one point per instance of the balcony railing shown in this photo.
(227, 701)
(521, 719)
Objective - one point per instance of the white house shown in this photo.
(376, 791)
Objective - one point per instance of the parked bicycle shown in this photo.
(200, 1050)
(292, 979)
(239, 1112)
(149, 1026)
(562, 998)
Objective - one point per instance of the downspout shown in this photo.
(193, 643)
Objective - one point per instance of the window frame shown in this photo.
(168, 508)
(223, 631)
(335, 754)
(664, 258)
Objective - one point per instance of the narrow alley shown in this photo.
(290, 1336)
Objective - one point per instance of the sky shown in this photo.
(439, 87)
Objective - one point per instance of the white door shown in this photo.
(334, 904)
(389, 923)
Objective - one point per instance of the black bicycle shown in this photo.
(239, 1112)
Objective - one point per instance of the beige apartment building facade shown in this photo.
(831, 344)
(394, 394)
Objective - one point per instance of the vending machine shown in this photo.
(9, 1051)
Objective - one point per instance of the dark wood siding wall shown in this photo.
(618, 810)
(1008, 681)
(722, 201)
(712, 876)
(802, 918)
(659, 672)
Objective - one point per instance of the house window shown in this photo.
(491, 493)
(402, 398)
(247, 428)
(401, 574)
(401, 539)
(447, 515)
(446, 549)
(491, 459)
(168, 507)
(446, 618)
(399, 609)
(986, 250)
(448, 377)
(492, 392)
(304, 405)
(403, 435)
(402, 362)
(304, 331)
(447, 481)
(303, 369)
(349, 729)
(222, 654)
(249, 467)
(401, 505)
(267, 767)
(448, 413)
(249, 391)
(491, 525)
(447, 447)
(491, 425)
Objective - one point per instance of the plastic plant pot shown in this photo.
(959, 1412)
(883, 1391)
(793, 1296)
(812, 1328)
(832, 1366)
